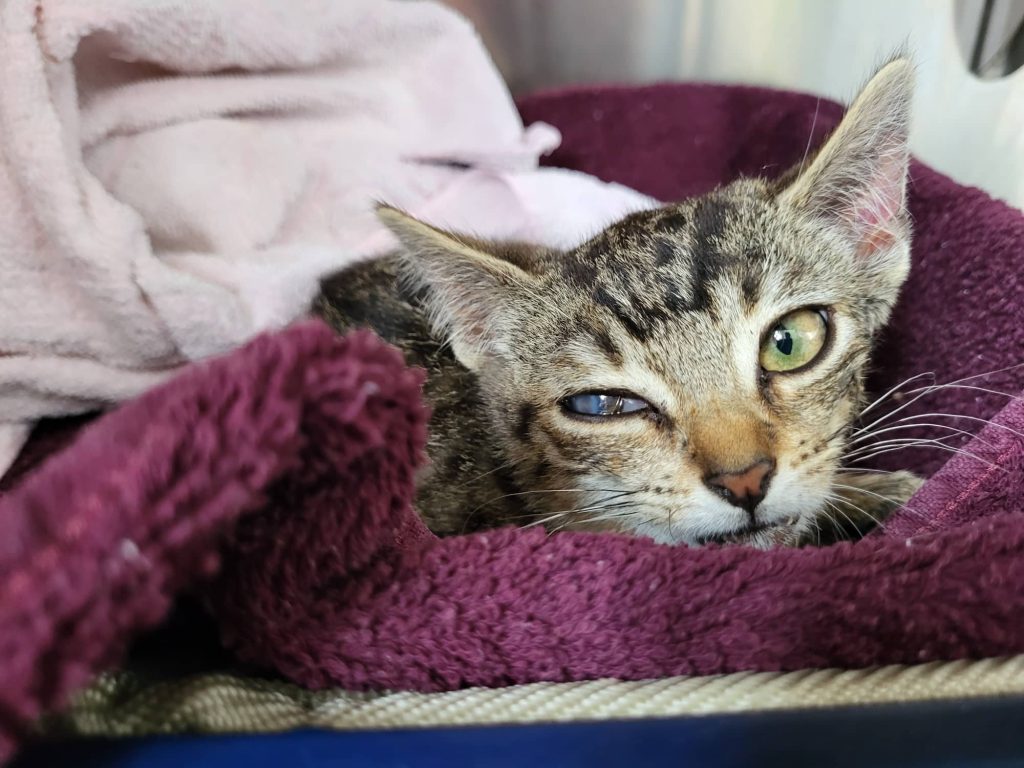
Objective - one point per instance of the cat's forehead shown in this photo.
(681, 247)
(690, 262)
(723, 214)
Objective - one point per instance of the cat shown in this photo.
(690, 374)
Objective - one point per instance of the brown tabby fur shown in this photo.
(670, 304)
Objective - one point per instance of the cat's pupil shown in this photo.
(784, 341)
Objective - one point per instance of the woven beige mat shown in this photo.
(121, 704)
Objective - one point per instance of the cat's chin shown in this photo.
(758, 537)
(784, 533)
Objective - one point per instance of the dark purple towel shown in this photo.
(96, 543)
(331, 579)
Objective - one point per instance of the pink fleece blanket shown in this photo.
(176, 177)
(285, 472)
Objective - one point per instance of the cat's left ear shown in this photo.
(857, 182)
(472, 294)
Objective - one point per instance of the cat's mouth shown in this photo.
(761, 535)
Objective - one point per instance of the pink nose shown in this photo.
(746, 488)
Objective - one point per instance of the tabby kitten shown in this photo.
(689, 374)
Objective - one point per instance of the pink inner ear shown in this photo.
(875, 241)
(874, 209)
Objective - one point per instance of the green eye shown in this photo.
(795, 341)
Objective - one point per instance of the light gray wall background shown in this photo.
(967, 123)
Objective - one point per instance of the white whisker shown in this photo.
(579, 510)
(910, 422)
(938, 415)
(918, 425)
(849, 519)
(954, 385)
(810, 136)
(921, 392)
(988, 373)
(498, 468)
(600, 518)
(893, 391)
(894, 441)
(898, 504)
(930, 444)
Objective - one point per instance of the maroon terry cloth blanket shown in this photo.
(331, 579)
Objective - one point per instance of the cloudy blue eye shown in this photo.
(604, 404)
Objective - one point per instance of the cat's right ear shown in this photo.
(857, 182)
(472, 294)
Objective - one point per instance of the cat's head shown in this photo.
(690, 372)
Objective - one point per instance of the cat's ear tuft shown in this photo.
(471, 293)
(857, 181)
